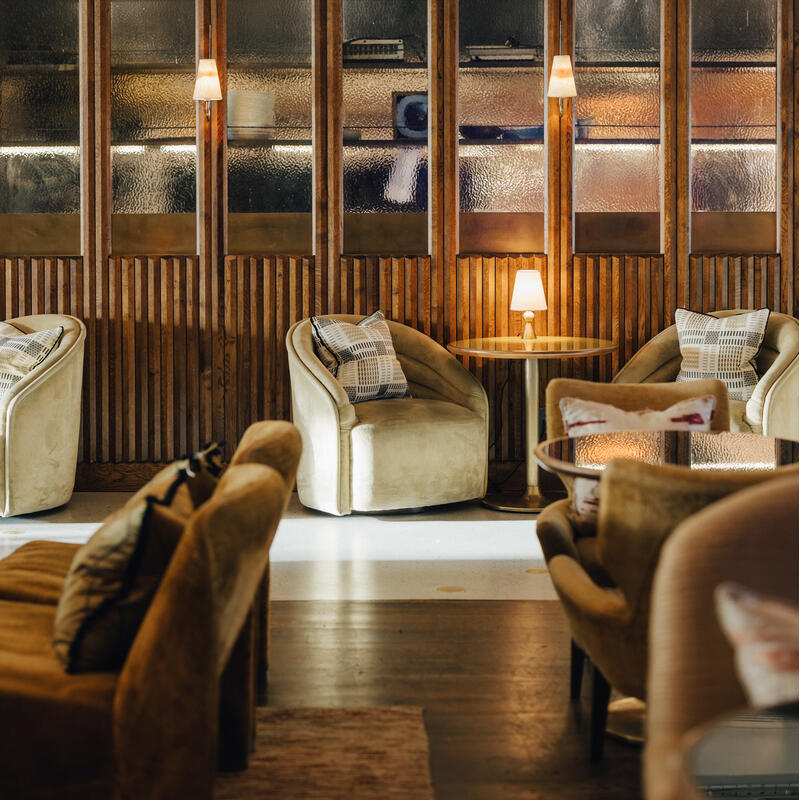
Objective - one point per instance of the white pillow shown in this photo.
(361, 357)
(722, 348)
(584, 417)
(21, 352)
(763, 632)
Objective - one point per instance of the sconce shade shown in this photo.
(562, 81)
(207, 87)
(528, 294)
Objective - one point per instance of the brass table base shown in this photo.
(532, 501)
(626, 720)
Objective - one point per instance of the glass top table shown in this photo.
(750, 754)
(587, 456)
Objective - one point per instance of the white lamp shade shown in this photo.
(207, 87)
(528, 292)
(562, 81)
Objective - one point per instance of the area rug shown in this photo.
(332, 753)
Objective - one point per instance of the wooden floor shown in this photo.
(491, 676)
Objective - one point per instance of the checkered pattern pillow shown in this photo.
(722, 348)
(361, 357)
(21, 352)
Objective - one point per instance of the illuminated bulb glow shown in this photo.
(129, 149)
(178, 148)
(292, 148)
(35, 150)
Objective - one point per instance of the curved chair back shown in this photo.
(633, 397)
(167, 697)
(640, 506)
(42, 415)
(659, 360)
(751, 538)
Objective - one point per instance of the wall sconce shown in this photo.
(562, 81)
(528, 296)
(206, 87)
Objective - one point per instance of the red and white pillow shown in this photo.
(585, 417)
(763, 632)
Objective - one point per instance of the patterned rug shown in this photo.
(332, 753)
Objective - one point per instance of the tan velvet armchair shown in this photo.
(773, 408)
(605, 592)
(41, 418)
(750, 538)
(427, 449)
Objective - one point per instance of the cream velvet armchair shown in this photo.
(380, 455)
(40, 417)
(773, 408)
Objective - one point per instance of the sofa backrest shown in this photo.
(168, 691)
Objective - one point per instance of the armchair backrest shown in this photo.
(634, 397)
(167, 695)
(70, 343)
(751, 538)
(640, 506)
(659, 360)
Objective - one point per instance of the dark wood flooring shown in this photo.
(491, 676)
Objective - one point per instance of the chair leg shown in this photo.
(262, 640)
(601, 693)
(576, 660)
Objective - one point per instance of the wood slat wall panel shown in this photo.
(153, 377)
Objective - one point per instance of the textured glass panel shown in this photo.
(270, 93)
(152, 32)
(154, 179)
(152, 105)
(385, 165)
(265, 178)
(502, 178)
(39, 179)
(596, 450)
(621, 102)
(270, 31)
(617, 117)
(385, 177)
(39, 102)
(153, 153)
(617, 31)
(741, 31)
(501, 121)
(733, 177)
(616, 177)
(733, 451)
(733, 152)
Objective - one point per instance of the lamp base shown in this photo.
(528, 333)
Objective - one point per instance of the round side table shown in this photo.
(531, 501)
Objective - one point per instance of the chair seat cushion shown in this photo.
(56, 728)
(413, 452)
(35, 572)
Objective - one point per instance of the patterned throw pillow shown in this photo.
(361, 357)
(585, 417)
(763, 632)
(20, 352)
(722, 348)
(110, 584)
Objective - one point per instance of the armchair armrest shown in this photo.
(324, 416)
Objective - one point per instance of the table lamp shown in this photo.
(528, 296)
